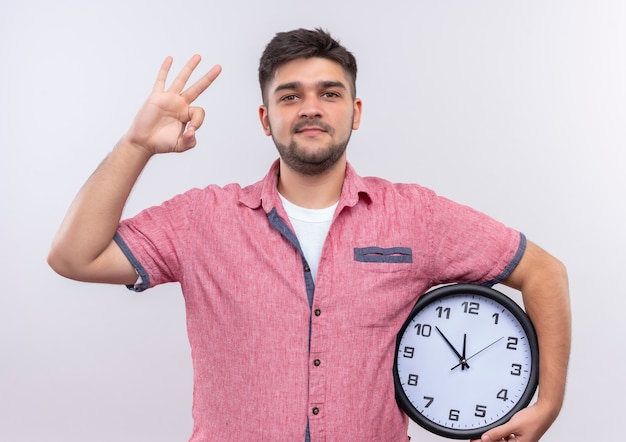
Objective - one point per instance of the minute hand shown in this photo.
(479, 351)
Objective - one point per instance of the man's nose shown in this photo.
(310, 108)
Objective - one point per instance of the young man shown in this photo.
(296, 286)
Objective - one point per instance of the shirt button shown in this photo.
(317, 362)
(318, 312)
(316, 411)
(307, 268)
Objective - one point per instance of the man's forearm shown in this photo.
(548, 307)
(542, 279)
(93, 217)
(543, 282)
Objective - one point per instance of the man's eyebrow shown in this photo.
(331, 84)
(288, 86)
(297, 85)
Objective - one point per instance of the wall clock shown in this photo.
(466, 361)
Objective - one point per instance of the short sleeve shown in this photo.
(154, 240)
(468, 246)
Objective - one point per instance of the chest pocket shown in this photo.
(397, 255)
(380, 286)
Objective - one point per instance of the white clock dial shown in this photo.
(465, 362)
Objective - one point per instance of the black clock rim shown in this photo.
(529, 329)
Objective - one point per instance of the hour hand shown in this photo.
(462, 362)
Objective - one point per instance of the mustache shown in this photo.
(311, 123)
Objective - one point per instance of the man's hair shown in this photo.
(304, 43)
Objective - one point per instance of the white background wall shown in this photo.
(517, 108)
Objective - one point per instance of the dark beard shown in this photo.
(310, 164)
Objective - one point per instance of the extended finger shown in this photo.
(194, 91)
(183, 76)
(159, 84)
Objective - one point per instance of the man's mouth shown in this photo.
(311, 129)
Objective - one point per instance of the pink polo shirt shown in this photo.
(273, 352)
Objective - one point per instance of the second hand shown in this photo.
(479, 351)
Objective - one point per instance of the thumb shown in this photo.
(496, 435)
(188, 139)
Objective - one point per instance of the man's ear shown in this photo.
(265, 120)
(358, 107)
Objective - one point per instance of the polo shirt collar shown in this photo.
(265, 194)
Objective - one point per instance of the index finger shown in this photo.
(194, 91)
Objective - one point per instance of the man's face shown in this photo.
(310, 113)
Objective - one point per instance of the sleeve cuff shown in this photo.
(143, 279)
(511, 266)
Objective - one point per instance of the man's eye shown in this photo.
(330, 94)
(289, 97)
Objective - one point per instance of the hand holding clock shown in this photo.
(523, 427)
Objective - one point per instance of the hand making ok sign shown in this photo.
(167, 122)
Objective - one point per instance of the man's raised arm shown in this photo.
(83, 249)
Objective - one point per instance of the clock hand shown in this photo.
(462, 360)
(463, 355)
(479, 351)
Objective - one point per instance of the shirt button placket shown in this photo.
(317, 383)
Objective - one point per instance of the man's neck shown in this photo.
(312, 192)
